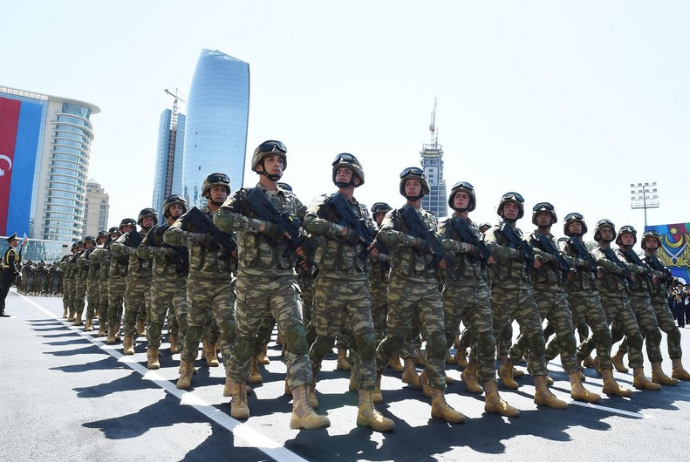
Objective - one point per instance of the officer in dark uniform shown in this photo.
(10, 265)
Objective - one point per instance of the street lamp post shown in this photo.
(644, 196)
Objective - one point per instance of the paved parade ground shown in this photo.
(66, 396)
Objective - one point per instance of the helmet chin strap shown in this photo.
(460, 210)
(269, 175)
(509, 220)
(414, 198)
(542, 227)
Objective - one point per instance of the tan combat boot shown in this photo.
(611, 387)
(543, 397)
(141, 327)
(495, 404)
(128, 345)
(410, 376)
(643, 383)
(303, 415)
(70, 317)
(377, 396)
(678, 371)
(426, 386)
(174, 346)
(88, 327)
(311, 395)
(659, 377)
(186, 372)
(580, 393)
(395, 364)
(419, 359)
(254, 373)
(469, 377)
(101, 329)
(77, 319)
(353, 381)
(461, 357)
(618, 363)
(342, 364)
(505, 373)
(369, 416)
(239, 409)
(111, 336)
(227, 389)
(65, 313)
(117, 331)
(209, 352)
(449, 358)
(588, 361)
(597, 365)
(263, 356)
(440, 409)
(152, 357)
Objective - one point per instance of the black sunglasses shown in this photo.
(574, 216)
(344, 157)
(543, 207)
(463, 184)
(513, 196)
(411, 171)
(218, 178)
(272, 146)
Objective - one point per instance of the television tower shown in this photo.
(432, 163)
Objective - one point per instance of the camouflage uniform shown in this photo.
(512, 297)
(413, 292)
(71, 284)
(137, 296)
(210, 296)
(82, 275)
(341, 296)
(659, 297)
(466, 298)
(117, 282)
(92, 284)
(168, 285)
(266, 282)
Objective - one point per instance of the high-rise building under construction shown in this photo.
(432, 163)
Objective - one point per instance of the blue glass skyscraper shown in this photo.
(168, 172)
(217, 119)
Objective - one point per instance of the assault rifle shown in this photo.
(611, 255)
(635, 259)
(583, 254)
(264, 208)
(419, 229)
(203, 224)
(517, 242)
(180, 258)
(134, 238)
(549, 247)
(656, 264)
(466, 234)
(352, 221)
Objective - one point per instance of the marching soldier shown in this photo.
(169, 283)
(117, 282)
(266, 281)
(10, 269)
(466, 297)
(413, 289)
(341, 296)
(82, 264)
(512, 297)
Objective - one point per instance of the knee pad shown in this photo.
(487, 342)
(155, 329)
(635, 341)
(673, 335)
(436, 345)
(228, 330)
(568, 342)
(296, 338)
(537, 344)
(366, 345)
(244, 347)
(654, 336)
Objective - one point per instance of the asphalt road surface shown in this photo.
(66, 396)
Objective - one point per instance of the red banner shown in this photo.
(9, 120)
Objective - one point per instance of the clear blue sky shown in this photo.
(567, 102)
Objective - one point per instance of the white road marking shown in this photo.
(250, 436)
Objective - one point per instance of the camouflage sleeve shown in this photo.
(604, 262)
(300, 208)
(447, 242)
(176, 235)
(82, 261)
(389, 234)
(229, 217)
(118, 247)
(501, 253)
(315, 222)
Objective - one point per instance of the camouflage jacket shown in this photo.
(169, 263)
(468, 269)
(641, 286)
(662, 276)
(511, 267)
(583, 279)
(125, 248)
(613, 280)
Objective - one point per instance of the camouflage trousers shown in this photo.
(80, 294)
(210, 304)
(618, 311)
(648, 325)
(344, 305)
(137, 300)
(379, 309)
(421, 301)
(116, 292)
(166, 294)
(66, 293)
(648, 322)
(518, 304)
(103, 302)
(471, 305)
(668, 324)
(92, 296)
(586, 306)
(281, 297)
(553, 306)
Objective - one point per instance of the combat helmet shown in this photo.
(90, 239)
(626, 229)
(574, 217)
(127, 222)
(347, 160)
(269, 148)
(515, 198)
(651, 234)
(147, 212)
(172, 200)
(544, 207)
(413, 173)
(469, 189)
(215, 179)
(601, 224)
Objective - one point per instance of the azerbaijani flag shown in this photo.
(20, 126)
